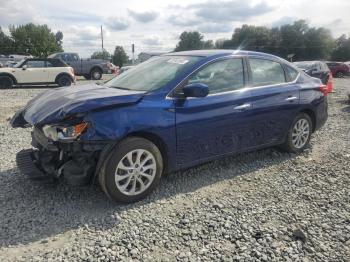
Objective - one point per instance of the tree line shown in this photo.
(297, 40)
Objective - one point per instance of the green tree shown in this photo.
(190, 41)
(37, 40)
(120, 57)
(6, 44)
(101, 55)
(341, 51)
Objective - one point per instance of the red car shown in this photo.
(338, 69)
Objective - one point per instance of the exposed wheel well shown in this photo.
(312, 116)
(10, 76)
(158, 142)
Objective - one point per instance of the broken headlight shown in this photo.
(56, 133)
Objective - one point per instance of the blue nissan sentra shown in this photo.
(168, 113)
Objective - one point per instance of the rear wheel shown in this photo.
(96, 74)
(6, 82)
(64, 81)
(132, 171)
(299, 134)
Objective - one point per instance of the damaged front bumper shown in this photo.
(75, 162)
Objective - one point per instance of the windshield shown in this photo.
(305, 65)
(18, 63)
(152, 74)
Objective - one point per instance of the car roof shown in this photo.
(220, 52)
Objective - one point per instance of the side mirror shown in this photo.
(24, 67)
(196, 90)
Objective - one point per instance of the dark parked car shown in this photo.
(168, 113)
(338, 69)
(89, 68)
(318, 69)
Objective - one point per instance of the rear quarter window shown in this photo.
(291, 73)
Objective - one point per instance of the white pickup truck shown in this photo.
(35, 71)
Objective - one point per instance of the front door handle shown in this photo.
(242, 107)
(291, 98)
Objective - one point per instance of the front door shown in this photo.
(34, 72)
(219, 123)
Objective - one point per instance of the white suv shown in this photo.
(37, 71)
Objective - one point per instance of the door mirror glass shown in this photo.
(196, 90)
(24, 67)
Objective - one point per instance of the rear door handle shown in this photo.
(242, 107)
(291, 98)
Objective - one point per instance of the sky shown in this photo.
(155, 25)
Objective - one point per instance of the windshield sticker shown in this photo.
(179, 61)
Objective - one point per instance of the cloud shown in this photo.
(234, 10)
(284, 20)
(143, 17)
(152, 41)
(118, 23)
(215, 28)
(212, 17)
(11, 12)
(184, 20)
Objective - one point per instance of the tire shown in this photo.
(64, 81)
(291, 144)
(5, 82)
(121, 179)
(340, 75)
(87, 76)
(96, 74)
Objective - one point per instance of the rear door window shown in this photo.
(266, 72)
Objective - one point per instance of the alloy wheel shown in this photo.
(300, 133)
(135, 172)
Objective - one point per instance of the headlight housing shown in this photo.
(57, 133)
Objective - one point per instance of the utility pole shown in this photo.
(133, 53)
(102, 39)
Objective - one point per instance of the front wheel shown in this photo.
(132, 171)
(6, 82)
(299, 134)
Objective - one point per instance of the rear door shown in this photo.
(219, 123)
(35, 72)
(275, 99)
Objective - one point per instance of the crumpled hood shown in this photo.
(56, 104)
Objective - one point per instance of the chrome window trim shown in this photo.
(232, 91)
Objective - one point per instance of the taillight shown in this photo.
(330, 82)
(324, 89)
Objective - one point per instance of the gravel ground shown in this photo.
(259, 206)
